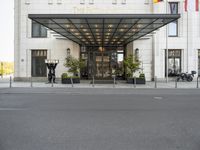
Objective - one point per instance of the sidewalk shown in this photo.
(5, 83)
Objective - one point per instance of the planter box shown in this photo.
(138, 80)
(68, 80)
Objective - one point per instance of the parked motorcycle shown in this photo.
(186, 76)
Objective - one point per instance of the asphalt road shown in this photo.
(99, 119)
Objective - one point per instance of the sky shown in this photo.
(7, 30)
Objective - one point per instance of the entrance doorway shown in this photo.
(174, 62)
(103, 64)
(38, 63)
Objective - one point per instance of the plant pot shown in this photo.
(129, 80)
(138, 80)
(68, 80)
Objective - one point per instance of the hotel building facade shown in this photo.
(164, 37)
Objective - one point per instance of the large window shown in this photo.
(38, 30)
(173, 27)
(174, 62)
(38, 63)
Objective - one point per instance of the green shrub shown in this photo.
(74, 65)
(142, 75)
(65, 76)
(132, 65)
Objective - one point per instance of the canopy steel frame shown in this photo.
(92, 24)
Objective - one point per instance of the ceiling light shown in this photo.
(96, 25)
(84, 30)
(110, 25)
(67, 26)
(134, 30)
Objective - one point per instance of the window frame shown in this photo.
(40, 30)
(176, 21)
(33, 57)
(174, 58)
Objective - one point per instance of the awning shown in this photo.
(103, 29)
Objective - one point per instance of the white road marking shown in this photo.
(158, 98)
(11, 109)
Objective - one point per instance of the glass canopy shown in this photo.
(103, 29)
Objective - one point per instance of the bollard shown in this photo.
(72, 82)
(197, 82)
(135, 81)
(10, 82)
(31, 81)
(176, 83)
(155, 79)
(114, 80)
(93, 81)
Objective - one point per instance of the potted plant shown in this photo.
(65, 79)
(132, 65)
(141, 79)
(74, 65)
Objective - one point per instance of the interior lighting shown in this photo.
(110, 25)
(67, 26)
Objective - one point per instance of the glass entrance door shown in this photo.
(103, 66)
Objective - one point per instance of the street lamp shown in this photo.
(51, 65)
